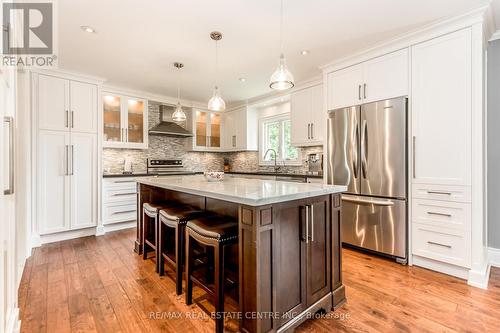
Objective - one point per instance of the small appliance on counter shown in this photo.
(164, 167)
(127, 166)
(315, 164)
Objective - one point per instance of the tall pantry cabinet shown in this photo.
(65, 123)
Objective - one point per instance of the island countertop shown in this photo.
(252, 192)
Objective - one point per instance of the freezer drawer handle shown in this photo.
(438, 192)
(371, 202)
(438, 244)
(439, 214)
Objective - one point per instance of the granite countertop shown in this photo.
(270, 173)
(252, 192)
(144, 174)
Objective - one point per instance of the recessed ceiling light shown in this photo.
(304, 52)
(88, 29)
(242, 79)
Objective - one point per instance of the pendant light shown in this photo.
(281, 79)
(216, 103)
(178, 114)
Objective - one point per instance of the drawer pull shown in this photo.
(123, 181)
(124, 212)
(438, 192)
(120, 194)
(439, 244)
(439, 214)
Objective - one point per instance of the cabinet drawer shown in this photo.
(441, 214)
(441, 244)
(119, 195)
(119, 183)
(441, 192)
(113, 213)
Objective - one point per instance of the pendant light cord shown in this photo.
(178, 85)
(216, 61)
(281, 27)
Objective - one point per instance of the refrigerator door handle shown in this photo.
(364, 147)
(355, 161)
(376, 202)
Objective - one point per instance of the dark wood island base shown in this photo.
(289, 256)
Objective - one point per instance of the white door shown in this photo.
(83, 107)
(300, 114)
(386, 77)
(441, 109)
(318, 114)
(53, 181)
(52, 100)
(344, 87)
(229, 131)
(83, 173)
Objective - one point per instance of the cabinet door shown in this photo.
(318, 250)
(239, 140)
(344, 87)
(290, 258)
(300, 113)
(319, 115)
(112, 118)
(135, 122)
(83, 171)
(386, 77)
(229, 131)
(200, 128)
(441, 110)
(52, 101)
(215, 125)
(83, 107)
(53, 182)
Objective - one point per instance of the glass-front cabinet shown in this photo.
(125, 121)
(207, 128)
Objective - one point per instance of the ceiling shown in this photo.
(136, 42)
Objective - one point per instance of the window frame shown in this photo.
(281, 118)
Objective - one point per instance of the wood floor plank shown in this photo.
(98, 284)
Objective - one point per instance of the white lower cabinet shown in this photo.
(119, 200)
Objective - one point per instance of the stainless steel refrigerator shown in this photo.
(367, 152)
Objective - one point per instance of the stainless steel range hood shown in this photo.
(169, 128)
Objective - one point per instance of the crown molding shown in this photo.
(67, 74)
(495, 36)
(442, 27)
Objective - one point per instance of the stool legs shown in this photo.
(179, 243)
(189, 270)
(219, 288)
(146, 221)
(145, 230)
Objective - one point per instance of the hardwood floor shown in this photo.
(98, 284)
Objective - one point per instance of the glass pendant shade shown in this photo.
(178, 114)
(216, 103)
(281, 79)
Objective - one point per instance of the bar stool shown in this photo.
(175, 219)
(218, 232)
(150, 217)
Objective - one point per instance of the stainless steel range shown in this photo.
(164, 167)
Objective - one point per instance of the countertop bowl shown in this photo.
(214, 176)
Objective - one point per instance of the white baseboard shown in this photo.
(494, 256)
(119, 226)
(13, 324)
(99, 231)
(441, 267)
(36, 241)
(479, 277)
(65, 235)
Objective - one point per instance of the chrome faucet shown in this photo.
(276, 167)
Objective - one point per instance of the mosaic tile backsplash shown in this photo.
(164, 147)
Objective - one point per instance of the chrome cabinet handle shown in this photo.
(364, 91)
(72, 160)
(414, 154)
(312, 130)
(72, 119)
(308, 131)
(439, 214)
(10, 122)
(307, 224)
(312, 222)
(359, 92)
(122, 194)
(439, 244)
(439, 192)
(66, 119)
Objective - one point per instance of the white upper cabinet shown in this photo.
(374, 80)
(308, 117)
(344, 87)
(240, 130)
(386, 77)
(125, 121)
(441, 109)
(207, 130)
(52, 96)
(64, 104)
(83, 97)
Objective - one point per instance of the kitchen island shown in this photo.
(289, 253)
